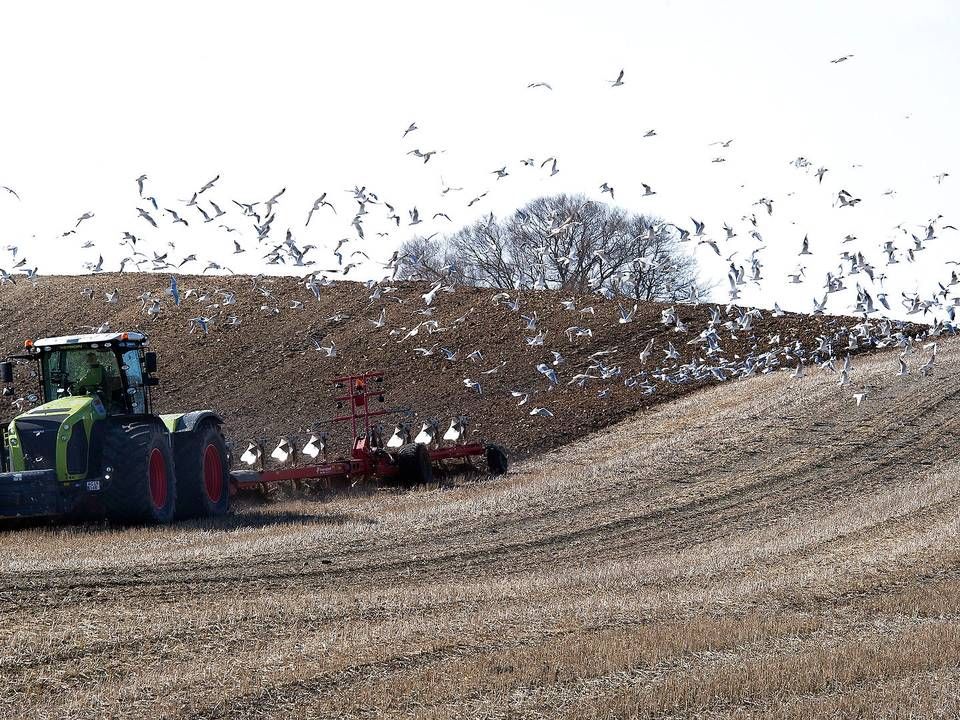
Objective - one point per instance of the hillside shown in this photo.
(267, 380)
(760, 549)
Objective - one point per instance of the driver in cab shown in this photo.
(92, 381)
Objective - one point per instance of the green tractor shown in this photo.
(92, 444)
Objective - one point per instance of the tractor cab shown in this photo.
(111, 368)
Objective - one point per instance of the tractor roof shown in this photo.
(90, 339)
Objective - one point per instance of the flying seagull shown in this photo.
(317, 204)
(146, 216)
(208, 185)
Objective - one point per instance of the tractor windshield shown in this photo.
(83, 371)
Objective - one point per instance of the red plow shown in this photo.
(399, 460)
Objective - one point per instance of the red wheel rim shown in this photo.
(158, 479)
(213, 473)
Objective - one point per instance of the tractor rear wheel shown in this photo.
(413, 461)
(203, 473)
(141, 487)
(497, 460)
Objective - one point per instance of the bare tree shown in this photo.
(564, 242)
(423, 259)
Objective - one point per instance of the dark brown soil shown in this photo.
(267, 380)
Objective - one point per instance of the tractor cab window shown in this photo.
(134, 372)
(83, 371)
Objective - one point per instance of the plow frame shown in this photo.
(366, 461)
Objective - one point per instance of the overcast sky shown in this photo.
(315, 97)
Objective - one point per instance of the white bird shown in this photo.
(542, 412)
(524, 396)
(380, 321)
(536, 340)
(647, 351)
(496, 368)
(548, 372)
(329, 350)
(428, 297)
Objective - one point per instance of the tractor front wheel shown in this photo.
(141, 487)
(203, 474)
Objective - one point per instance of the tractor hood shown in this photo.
(68, 405)
(55, 436)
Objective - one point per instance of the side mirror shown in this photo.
(6, 372)
(151, 362)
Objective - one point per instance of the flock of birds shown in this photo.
(251, 227)
(678, 352)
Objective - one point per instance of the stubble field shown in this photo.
(762, 548)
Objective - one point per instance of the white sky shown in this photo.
(314, 97)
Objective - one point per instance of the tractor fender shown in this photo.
(188, 422)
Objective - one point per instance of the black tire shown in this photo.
(203, 473)
(142, 486)
(413, 460)
(497, 460)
